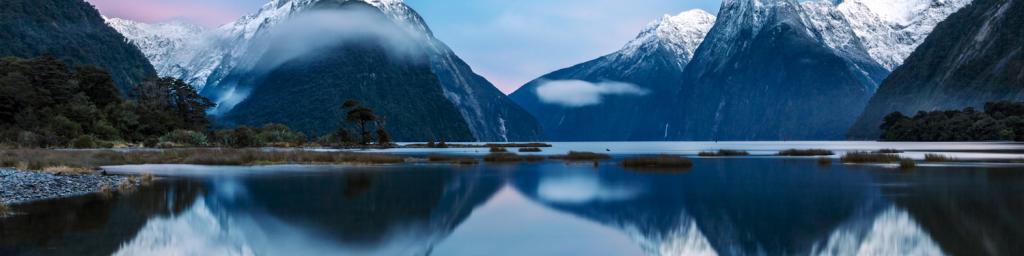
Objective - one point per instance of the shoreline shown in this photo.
(22, 187)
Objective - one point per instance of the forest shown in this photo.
(45, 103)
(1000, 121)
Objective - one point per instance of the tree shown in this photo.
(97, 85)
(361, 116)
(383, 138)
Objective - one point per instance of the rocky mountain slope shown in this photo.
(652, 62)
(973, 57)
(763, 73)
(73, 31)
(220, 58)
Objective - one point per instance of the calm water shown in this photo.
(737, 206)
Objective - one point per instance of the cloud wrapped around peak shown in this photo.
(578, 93)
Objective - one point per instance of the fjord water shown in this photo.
(757, 205)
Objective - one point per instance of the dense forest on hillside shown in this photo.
(46, 103)
(73, 31)
(1001, 121)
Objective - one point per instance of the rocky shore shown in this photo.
(18, 187)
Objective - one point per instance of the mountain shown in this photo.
(973, 57)
(652, 62)
(160, 42)
(763, 73)
(222, 59)
(73, 31)
(891, 30)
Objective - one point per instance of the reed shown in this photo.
(937, 158)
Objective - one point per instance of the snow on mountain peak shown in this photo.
(160, 42)
(680, 34)
(892, 29)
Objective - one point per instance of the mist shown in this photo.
(577, 93)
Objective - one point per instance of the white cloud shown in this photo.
(577, 93)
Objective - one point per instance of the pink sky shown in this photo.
(209, 14)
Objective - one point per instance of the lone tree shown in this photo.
(383, 138)
(361, 116)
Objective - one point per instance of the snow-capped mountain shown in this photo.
(765, 73)
(889, 30)
(223, 56)
(162, 43)
(971, 59)
(652, 62)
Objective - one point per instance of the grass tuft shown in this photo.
(662, 162)
(723, 152)
(869, 157)
(806, 152)
(577, 156)
(4, 210)
(907, 164)
(937, 158)
(147, 179)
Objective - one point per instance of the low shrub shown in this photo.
(806, 152)
(657, 162)
(582, 156)
(503, 157)
(723, 152)
(869, 157)
(938, 158)
(183, 138)
(907, 164)
(84, 141)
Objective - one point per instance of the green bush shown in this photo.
(84, 141)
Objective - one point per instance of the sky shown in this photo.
(508, 42)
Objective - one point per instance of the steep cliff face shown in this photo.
(73, 31)
(653, 63)
(762, 73)
(973, 57)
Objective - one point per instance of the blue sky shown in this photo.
(507, 41)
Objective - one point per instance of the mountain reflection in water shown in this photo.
(743, 206)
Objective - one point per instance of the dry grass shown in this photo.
(723, 152)
(106, 190)
(888, 151)
(127, 186)
(68, 170)
(582, 156)
(663, 162)
(529, 150)
(38, 159)
(938, 158)
(4, 210)
(147, 179)
(806, 152)
(869, 157)
(498, 150)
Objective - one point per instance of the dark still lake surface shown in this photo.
(722, 206)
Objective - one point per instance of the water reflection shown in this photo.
(749, 206)
(370, 212)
